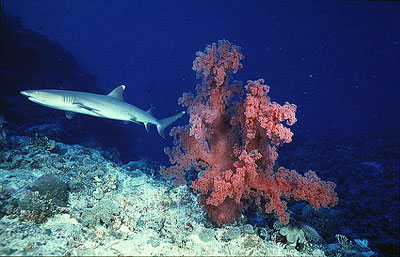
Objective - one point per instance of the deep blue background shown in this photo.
(338, 61)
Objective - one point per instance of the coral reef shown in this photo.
(118, 210)
(42, 143)
(3, 136)
(231, 141)
(101, 213)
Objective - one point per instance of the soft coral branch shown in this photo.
(231, 142)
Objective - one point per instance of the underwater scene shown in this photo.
(199, 128)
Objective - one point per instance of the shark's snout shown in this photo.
(37, 96)
(26, 93)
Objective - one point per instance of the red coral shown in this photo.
(232, 144)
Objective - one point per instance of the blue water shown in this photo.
(338, 61)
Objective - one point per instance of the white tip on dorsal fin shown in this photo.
(118, 92)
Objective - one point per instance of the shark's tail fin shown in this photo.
(163, 123)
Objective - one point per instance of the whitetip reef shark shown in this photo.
(111, 106)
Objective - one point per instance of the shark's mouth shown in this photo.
(33, 99)
(36, 100)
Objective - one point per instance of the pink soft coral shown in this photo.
(232, 144)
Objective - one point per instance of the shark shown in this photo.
(110, 106)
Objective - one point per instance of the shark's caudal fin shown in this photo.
(163, 123)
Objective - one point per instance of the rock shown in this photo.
(231, 233)
(52, 188)
(206, 234)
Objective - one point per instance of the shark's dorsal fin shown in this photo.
(69, 115)
(118, 92)
(150, 111)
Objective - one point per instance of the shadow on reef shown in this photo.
(31, 61)
(365, 169)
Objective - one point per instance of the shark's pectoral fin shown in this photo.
(80, 105)
(69, 115)
(146, 125)
(134, 121)
(90, 109)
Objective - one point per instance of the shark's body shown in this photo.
(111, 106)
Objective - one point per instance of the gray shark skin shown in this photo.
(111, 106)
